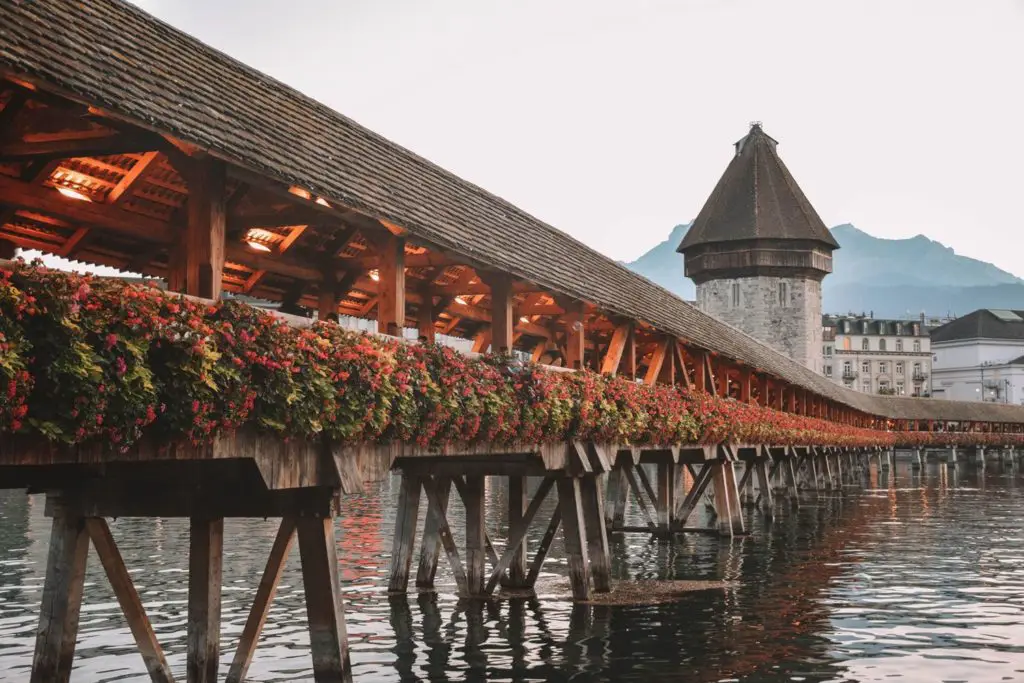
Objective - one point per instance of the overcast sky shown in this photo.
(614, 120)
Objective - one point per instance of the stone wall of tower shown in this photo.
(752, 304)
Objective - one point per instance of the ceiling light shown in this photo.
(524, 319)
(375, 275)
(259, 239)
(460, 301)
(258, 246)
(73, 194)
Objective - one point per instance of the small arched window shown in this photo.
(864, 344)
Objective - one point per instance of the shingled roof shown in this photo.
(757, 198)
(112, 55)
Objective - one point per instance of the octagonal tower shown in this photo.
(758, 252)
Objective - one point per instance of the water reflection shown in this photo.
(920, 576)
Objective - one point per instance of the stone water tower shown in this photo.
(758, 252)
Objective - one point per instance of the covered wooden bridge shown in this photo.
(126, 143)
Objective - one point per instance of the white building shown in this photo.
(877, 356)
(980, 357)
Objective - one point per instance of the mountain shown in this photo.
(892, 278)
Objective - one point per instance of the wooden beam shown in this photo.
(325, 612)
(261, 602)
(657, 361)
(68, 248)
(132, 143)
(391, 286)
(629, 368)
(124, 186)
(616, 348)
(575, 334)
(128, 598)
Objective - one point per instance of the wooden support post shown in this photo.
(517, 536)
(325, 611)
(766, 496)
(261, 602)
(391, 286)
(7, 249)
(431, 546)
(699, 370)
(425, 317)
(62, 599)
(630, 473)
(203, 244)
(436, 510)
(476, 550)
(405, 533)
(723, 500)
(700, 485)
(574, 532)
(665, 495)
(327, 302)
(128, 598)
(206, 554)
(735, 510)
(598, 553)
(575, 334)
(518, 568)
(618, 490)
(658, 360)
(629, 356)
(502, 324)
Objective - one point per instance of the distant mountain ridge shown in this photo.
(892, 278)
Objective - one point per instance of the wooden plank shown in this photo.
(596, 533)
(206, 554)
(61, 601)
(616, 348)
(391, 286)
(261, 602)
(666, 492)
(430, 549)
(405, 533)
(445, 533)
(723, 499)
(618, 492)
(689, 503)
(517, 535)
(766, 496)
(629, 368)
(108, 145)
(680, 354)
(325, 611)
(460, 486)
(574, 534)
(128, 598)
(519, 520)
(544, 546)
(426, 315)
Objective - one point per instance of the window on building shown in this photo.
(828, 370)
(883, 368)
(848, 383)
(866, 387)
(847, 369)
(736, 295)
(846, 344)
(865, 367)
(899, 344)
(917, 346)
(917, 369)
(783, 294)
(865, 344)
(899, 368)
(881, 345)
(828, 350)
(900, 390)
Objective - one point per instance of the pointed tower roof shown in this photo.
(757, 198)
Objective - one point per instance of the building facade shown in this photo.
(980, 357)
(758, 252)
(877, 356)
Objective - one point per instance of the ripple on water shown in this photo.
(921, 582)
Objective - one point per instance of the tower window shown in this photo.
(783, 294)
(735, 295)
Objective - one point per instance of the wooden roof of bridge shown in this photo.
(146, 91)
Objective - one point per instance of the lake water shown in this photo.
(917, 580)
